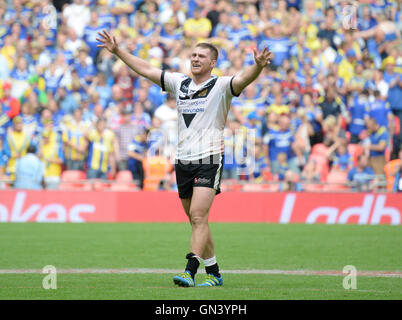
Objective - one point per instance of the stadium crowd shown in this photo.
(327, 109)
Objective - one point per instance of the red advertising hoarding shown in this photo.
(92, 206)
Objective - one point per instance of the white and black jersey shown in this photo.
(202, 112)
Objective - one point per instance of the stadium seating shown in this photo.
(319, 149)
(336, 181)
(231, 185)
(355, 150)
(99, 185)
(123, 186)
(74, 180)
(312, 187)
(254, 187)
(124, 176)
(267, 175)
(322, 165)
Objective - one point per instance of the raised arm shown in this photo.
(140, 66)
(249, 74)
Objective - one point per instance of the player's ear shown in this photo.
(213, 63)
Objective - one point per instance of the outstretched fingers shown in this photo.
(106, 35)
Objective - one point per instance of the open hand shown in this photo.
(262, 58)
(108, 41)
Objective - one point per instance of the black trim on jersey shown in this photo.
(163, 80)
(231, 88)
(184, 85)
(204, 91)
(200, 93)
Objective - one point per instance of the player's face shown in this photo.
(201, 61)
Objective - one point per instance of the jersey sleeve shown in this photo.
(170, 81)
(226, 86)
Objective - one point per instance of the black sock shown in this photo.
(214, 269)
(192, 264)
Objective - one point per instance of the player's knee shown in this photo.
(198, 218)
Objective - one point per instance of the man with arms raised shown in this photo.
(203, 103)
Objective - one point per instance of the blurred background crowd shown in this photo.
(328, 109)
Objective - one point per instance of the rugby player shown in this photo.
(203, 102)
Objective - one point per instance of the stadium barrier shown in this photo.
(165, 206)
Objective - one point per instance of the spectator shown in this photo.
(51, 154)
(394, 81)
(140, 118)
(254, 165)
(278, 107)
(4, 69)
(375, 145)
(330, 105)
(339, 157)
(379, 110)
(3, 159)
(312, 120)
(28, 119)
(75, 144)
(156, 139)
(101, 152)
(248, 102)
(237, 31)
(29, 171)
(281, 140)
(100, 87)
(10, 105)
(361, 176)
(290, 182)
(16, 145)
(66, 101)
(356, 119)
(290, 84)
(136, 152)
(84, 67)
(77, 16)
(4, 123)
(277, 42)
(91, 33)
(231, 135)
(125, 80)
(167, 114)
(333, 132)
(125, 134)
(197, 28)
(327, 27)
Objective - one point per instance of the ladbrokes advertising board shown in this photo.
(329, 208)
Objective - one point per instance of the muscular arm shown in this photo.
(140, 66)
(249, 74)
(378, 147)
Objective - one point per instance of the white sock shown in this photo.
(210, 262)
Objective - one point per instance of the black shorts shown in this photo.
(205, 172)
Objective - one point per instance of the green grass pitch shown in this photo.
(164, 245)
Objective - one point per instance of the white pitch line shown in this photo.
(381, 274)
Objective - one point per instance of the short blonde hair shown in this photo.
(330, 121)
